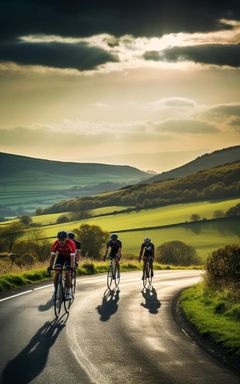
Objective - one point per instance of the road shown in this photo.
(127, 336)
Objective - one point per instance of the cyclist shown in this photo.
(116, 248)
(147, 251)
(63, 252)
(71, 236)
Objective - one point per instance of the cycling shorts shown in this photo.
(149, 258)
(114, 257)
(62, 260)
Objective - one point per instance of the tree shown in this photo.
(195, 217)
(9, 235)
(233, 211)
(92, 239)
(25, 220)
(177, 253)
(62, 219)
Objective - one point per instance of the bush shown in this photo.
(233, 211)
(177, 253)
(223, 267)
(195, 217)
(38, 249)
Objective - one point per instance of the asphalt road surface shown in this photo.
(125, 336)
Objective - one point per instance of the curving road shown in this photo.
(125, 336)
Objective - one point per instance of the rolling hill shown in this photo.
(27, 183)
(206, 161)
(215, 183)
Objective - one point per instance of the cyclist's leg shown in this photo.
(118, 265)
(58, 266)
(151, 266)
(114, 266)
(144, 266)
(67, 273)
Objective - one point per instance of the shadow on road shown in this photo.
(152, 303)
(109, 304)
(46, 307)
(29, 363)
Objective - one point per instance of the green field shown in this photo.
(171, 214)
(204, 236)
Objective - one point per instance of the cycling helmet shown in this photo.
(147, 240)
(62, 235)
(114, 236)
(71, 235)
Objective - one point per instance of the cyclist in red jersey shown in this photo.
(63, 252)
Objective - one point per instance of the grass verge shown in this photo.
(215, 315)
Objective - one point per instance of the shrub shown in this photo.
(177, 253)
(223, 267)
(195, 217)
(233, 211)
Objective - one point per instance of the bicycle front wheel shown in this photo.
(149, 273)
(109, 277)
(117, 276)
(58, 299)
(144, 277)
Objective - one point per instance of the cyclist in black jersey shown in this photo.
(147, 251)
(116, 248)
(71, 236)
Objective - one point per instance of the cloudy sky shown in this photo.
(147, 83)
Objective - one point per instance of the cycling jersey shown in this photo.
(67, 249)
(148, 250)
(77, 244)
(114, 245)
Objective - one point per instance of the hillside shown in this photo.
(206, 161)
(27, 183)
(215, 183)
(15, 166)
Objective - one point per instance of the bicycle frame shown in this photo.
(60, 291)
(147, 275)
(113, 273)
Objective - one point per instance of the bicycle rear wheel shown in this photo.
(109, 277)
(58, 299)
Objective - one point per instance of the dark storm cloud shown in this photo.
(217, 54)
(58, 55)
(86, 18)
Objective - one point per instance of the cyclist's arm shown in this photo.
(153, 254)
(72, 247)
(78, 255)
(141, 252)
(106, 251)
(54, 253)
(118, 254)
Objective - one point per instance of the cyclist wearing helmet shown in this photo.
(63, 252)
(147, 250)
(116, 248)
(71, 236)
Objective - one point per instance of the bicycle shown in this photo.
(60, 292)
(113, 273)
(147, 273)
